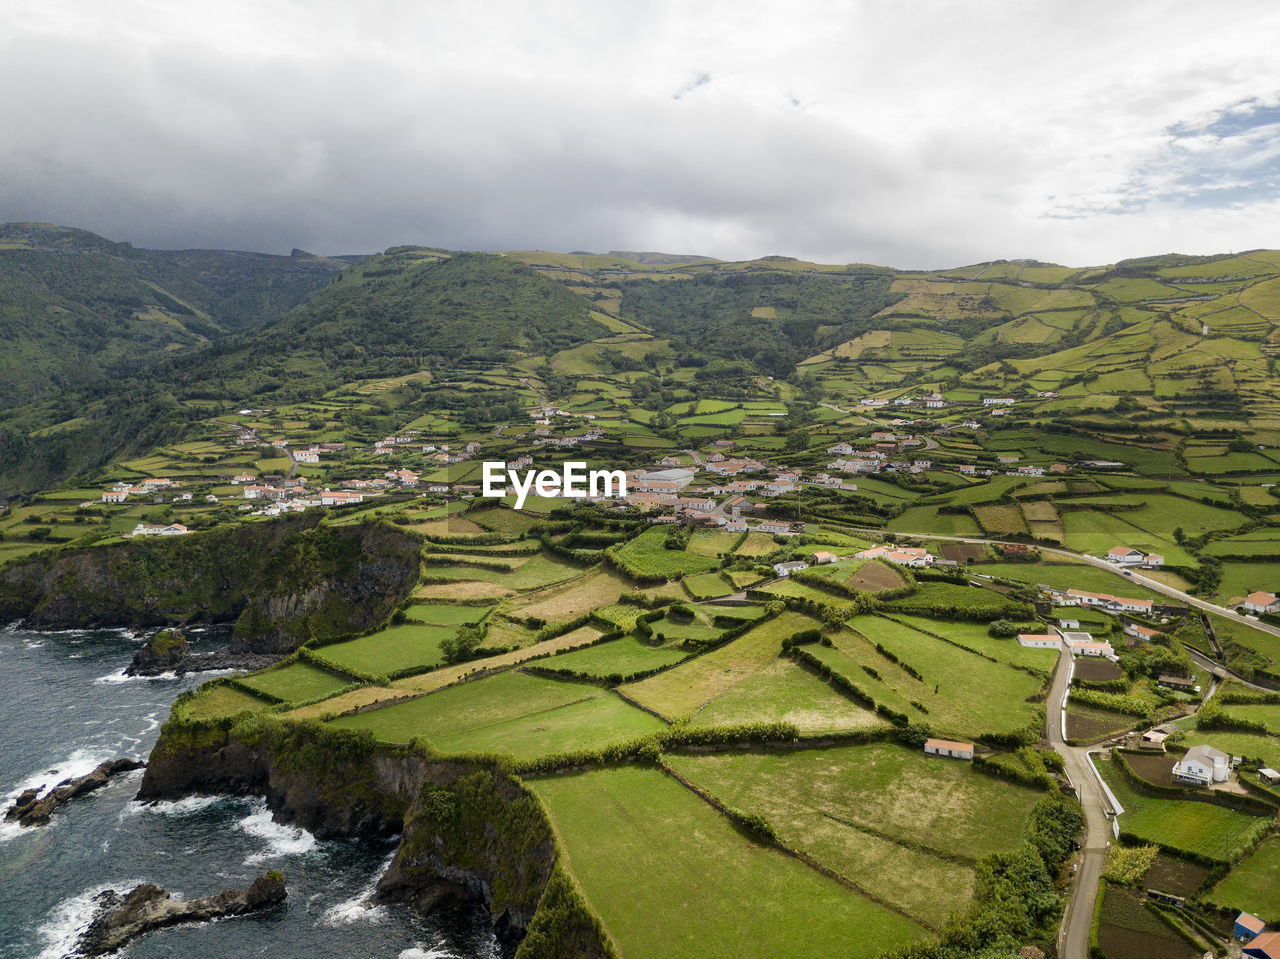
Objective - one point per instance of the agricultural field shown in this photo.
(1087, 724)
(403, 647)
(690, 875)
(524, 716)
(785, 691)
(963, 693)
(618, 657)
(707, 586)
(1128, 929)
(975, 636)
(900, 824)
(648, 555)
(600, 586)
(680, 691)
(295, 683)
(222, 700)
(1212, 831)
(1253, 885)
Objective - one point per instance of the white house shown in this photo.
(1127, 556)
(114, 496)
(339, 498)
(947, 747)
(1201, 766)
(173, 529)
(789, 567)
(842, 449)
(1040, 640)
(306, 456)
(1254, 602)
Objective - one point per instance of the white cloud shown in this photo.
(920, 134)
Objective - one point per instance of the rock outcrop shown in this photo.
(144, 908)
(467, 832)
(169, 652)
(282, 582)
(31, 809)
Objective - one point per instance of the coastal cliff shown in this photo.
(469, 830)
(282, 582)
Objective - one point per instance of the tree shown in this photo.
(460, 648)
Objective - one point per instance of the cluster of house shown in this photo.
(122, 491)
(906, 556)
(1102, 601)
(1076, 643)
(1256, 942)
(1128, 556)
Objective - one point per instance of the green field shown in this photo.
(680, 691)
(707, 586)
(216, 702)
(696, 887)
(902, 825)
(525, 716)
(649, 556)
(975, 636)
(531, 573)
(406, 646)
(298, 682)
(784, 691)
(623, 657)
(1253, 885)
(1213, 831)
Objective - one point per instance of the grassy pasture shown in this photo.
(695, 887)
(440, 614)
(927, 519)
(598, 587)
(1253, 885)
(712, 543)
(1213, 831)
(297, 682)
(680, 691)
(404, 646)
(964, 693)
(217, 702)
(532, 573)
(707, 586)
(623, 656)
(879, 814)
(648, 554)
(511, 712)
(975, 636)
(783, 690)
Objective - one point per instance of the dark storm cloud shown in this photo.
(911, 136)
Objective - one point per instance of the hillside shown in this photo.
(77, 311)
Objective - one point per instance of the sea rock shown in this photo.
(30, 809)
(164, 652)
(146, 907)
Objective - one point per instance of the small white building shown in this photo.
(306, 456)
(949, 748)
(1040, 640)
(173, 529)
(789, 567)
(114, 496)
(1202, 766)
(1255, 602)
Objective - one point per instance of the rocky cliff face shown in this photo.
(467, 832)
(282, 582)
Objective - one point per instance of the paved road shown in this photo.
(1073, 937)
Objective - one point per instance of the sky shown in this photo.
(915, 135)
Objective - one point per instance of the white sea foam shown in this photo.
(79, 763)
(360, 907)
(417, 952)
(119, 677)
(281, 840)
(70, 919)
(176, 807)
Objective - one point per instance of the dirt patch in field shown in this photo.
(1097, 671)
(1129, 930)
(1091, 725)
(1177, 876)
(565, 601)
(962, 553)
(462, 589)
(1156, 768)
(873, 576)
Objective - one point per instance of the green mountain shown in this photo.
(78, 311)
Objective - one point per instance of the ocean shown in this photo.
(65, 706)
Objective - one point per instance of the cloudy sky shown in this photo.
(916, 134)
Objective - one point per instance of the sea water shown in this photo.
(65, 706)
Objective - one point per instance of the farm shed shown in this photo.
(949, 748)
(1248, 927)
(1269, 776)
